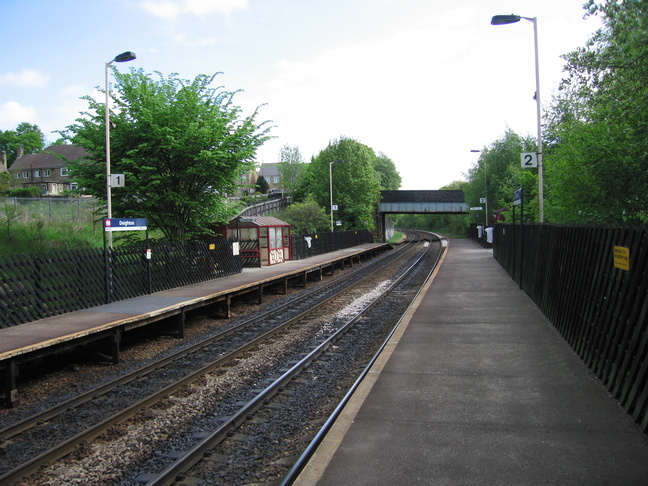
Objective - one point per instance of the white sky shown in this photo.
(423, 81)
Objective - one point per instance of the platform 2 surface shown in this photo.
(478, 388)
(32, 336)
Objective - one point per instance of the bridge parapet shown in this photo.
(443, 202)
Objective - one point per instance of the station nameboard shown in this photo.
(125, 224)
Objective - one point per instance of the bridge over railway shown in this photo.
(432, 202)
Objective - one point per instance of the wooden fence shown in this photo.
(36, 286)
(592, 284)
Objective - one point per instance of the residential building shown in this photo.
(47, 170)
(270, 173)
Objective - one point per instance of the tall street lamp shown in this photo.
(123, 57)
(511, 19)
(331, 187)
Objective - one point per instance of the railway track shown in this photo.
(162, 421)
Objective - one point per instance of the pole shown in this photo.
(539, 119)
(331, 190)
(108, 194)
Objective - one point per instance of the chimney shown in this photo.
(20, 151)
(3, 163)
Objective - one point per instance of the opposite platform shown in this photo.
(478, 388)
(24, 342)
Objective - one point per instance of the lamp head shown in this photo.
(505, 19)
(125, 56)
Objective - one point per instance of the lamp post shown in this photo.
(331, 187)
(123, 57)
(511, 19)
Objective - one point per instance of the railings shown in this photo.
(576, 276)
(36, 286)
(305, 246)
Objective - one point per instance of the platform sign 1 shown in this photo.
(125, 224)
(622, 257)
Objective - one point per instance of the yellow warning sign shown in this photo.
(622, 257)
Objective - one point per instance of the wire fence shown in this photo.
(51, 208)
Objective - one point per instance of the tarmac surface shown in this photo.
(478, 388)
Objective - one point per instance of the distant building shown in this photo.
(47, 170)
(270, 173)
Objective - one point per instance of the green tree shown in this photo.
(597, 154)
(356, 187)
(181, 144)
(262, 185)
(29, 136)
(306, 217)
(390, 179)
(291, 165)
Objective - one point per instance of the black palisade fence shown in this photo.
(37, 286)
(598, 306)
(304, 246)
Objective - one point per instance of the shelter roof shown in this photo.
(261, 221)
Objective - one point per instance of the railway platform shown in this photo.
(33, 340)
(477, 388)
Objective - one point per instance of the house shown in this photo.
(270, 173)
(47, 170)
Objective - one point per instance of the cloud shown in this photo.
(27, 77)
(184, 41)
(12, 113)
(170, 9)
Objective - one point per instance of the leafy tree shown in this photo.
(597, 129)
(181, 144)
(306, 217)
(262, 185)
(390, 179)
(291, 165)
(356, 187)
(29, 136)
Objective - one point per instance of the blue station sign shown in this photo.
(125, 224)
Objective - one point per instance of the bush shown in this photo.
(24, 192)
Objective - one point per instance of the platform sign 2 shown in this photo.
(529, 160)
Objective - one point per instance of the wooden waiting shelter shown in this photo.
(263, 240)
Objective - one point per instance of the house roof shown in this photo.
(52, 157)
(269, 170)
